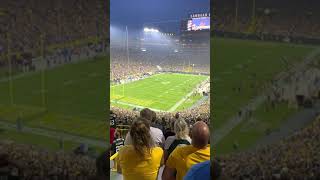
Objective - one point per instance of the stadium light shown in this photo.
(143, 49)
(150, 30)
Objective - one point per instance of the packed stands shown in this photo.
(58, 21)
(295, 157)
(29, 162)
(31, 29)
(288, 18)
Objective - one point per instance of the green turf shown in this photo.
(41, 141)
(27, 138)
(160, 92)
(192, 100)
(234, 65)
(75, 95)
(249, 131)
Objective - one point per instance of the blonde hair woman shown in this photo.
(142, 159)
(181, 137)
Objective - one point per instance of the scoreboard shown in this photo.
(198, 22)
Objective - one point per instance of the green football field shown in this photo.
(248, 66)
(75, 102)
(160, 92)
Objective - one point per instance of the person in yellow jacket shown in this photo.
(184, 157)
(142, 159)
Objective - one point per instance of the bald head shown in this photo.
(200, 134)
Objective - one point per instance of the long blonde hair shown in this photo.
(181, 129)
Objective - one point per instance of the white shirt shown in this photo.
(156, 134)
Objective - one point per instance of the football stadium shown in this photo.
(266, 89)
(53, 88)
(159, 90)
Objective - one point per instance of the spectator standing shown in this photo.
(156, 133)
(181, 137)
(183, 158)
(142, 159)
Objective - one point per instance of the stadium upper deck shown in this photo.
(290, 18)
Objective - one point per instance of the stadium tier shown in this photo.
(259, 19)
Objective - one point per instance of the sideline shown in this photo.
(174, 107)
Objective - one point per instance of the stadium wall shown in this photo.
(180, 72)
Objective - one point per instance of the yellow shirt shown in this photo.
(134, 167)
(184, 157)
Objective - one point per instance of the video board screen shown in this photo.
(200, 23)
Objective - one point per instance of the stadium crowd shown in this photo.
(164, 119)
(145, 148)
(20, 161)
(299, 89)
(142, 63)
(57, 27)
(288, 18)
(60, 21)
(296, 157)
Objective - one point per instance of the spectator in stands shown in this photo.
(183, 158)
(112, 134)
(142, 159)
(181, 137)
(112, 127)
(156, 123)
(156, 133)
(117, 144)
(170, 131)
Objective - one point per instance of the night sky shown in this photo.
(138, 13)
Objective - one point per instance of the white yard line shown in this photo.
(133, 105)
(174, 107)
